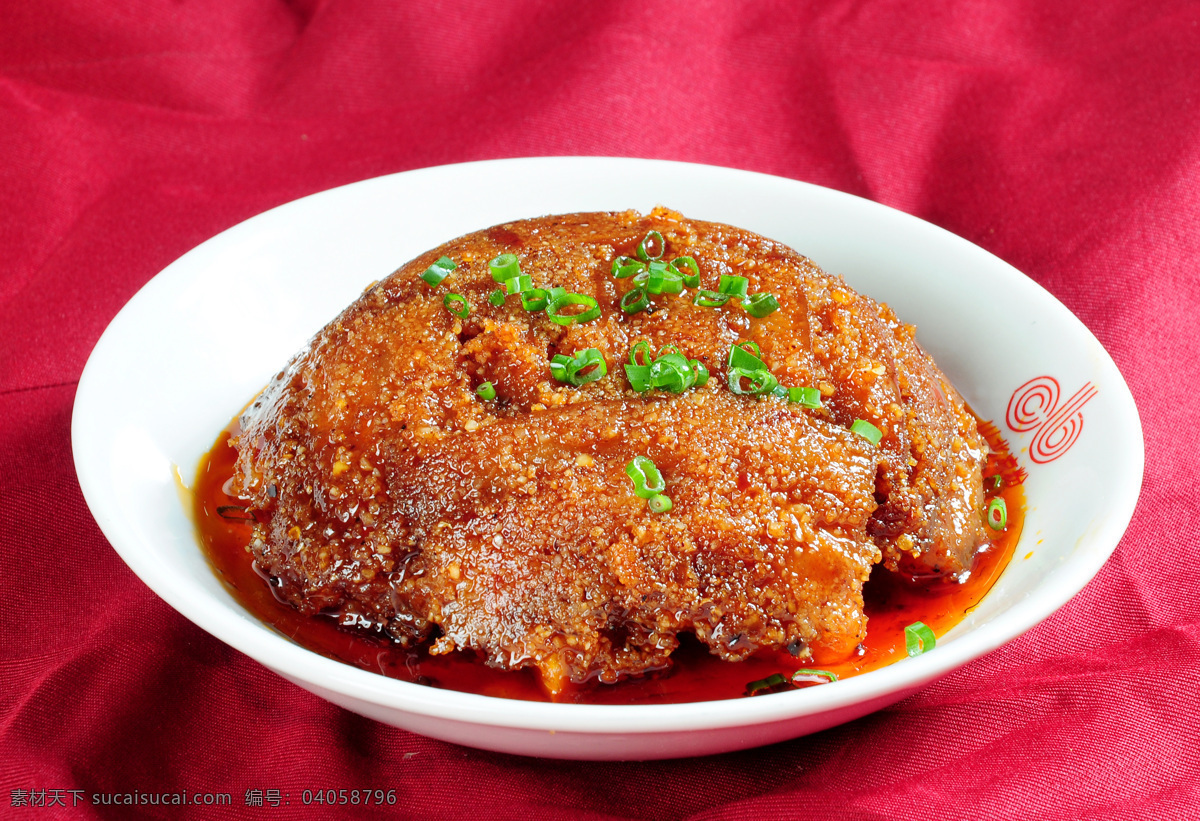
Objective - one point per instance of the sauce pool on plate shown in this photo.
(892, 602)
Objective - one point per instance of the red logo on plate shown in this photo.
(1034, 406)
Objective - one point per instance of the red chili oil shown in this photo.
(891, 603)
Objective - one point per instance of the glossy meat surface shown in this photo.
(391, 494)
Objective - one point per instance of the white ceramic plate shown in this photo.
(193, 346)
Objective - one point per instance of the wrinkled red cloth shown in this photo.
(1064, 140)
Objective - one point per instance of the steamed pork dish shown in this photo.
(559, 443)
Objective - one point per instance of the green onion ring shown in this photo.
(592, 311)
(811, 674)
(674, 359)
(534, 299)
(997, 514)
(517, 284)
(667, 282)
(740, 357)
(659, 503)
(496, 297)
(867, 431)
(486, 391)
(805, 397)
(687, 268)
(624, 267)
(639, 377)
(558, 367)
(590, 360)
(761, 381)
(710, 299)
(660, 279)
(769, 683)
(668, 379)
(733, 285)
(647, 481)
(441, 269)
(760, 305)
(505, 267)
(641, 347)
(635, 301)
(673, 373)
(701, 373)
(918, 639)
(643, 250)
(450, 300)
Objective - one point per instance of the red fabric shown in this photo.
(1065, 140)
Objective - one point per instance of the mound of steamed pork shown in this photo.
(456, 469)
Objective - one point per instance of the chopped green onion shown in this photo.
(639, 377)
(780, 391)
(647, 481)
(673, 373)
(555, 306)
(673, 358)
(517, 284)
(918, 639)
(558, 367)
(778, 680)
(534, 299)
(740, 357)
(996, 482)
(641, 347)
(457, 305)
(624, 267)
(659, 503)
(760, 305)
(867, 431)
(634, 301)
(505, 267)
(769, 683)
(806, 397)
(733, 286)
(486, 391)
(710, 299)
(668, 379)
(663, 280)
(687, 268)
(496, 297)
(761, 381)
(744, 364)
(441, 269)
(587, 366)
(670, 370)
(643, 249)
(997, 514)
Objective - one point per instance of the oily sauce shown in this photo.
(892, 602)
